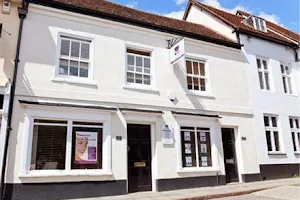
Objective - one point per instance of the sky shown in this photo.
(282, 12)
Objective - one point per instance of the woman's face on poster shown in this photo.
(81, 144)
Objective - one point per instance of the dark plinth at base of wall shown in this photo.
(190, 182)
(279, 171)
(246, 178)
(73, 190)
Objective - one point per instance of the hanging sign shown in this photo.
(177, 52)
(167, 134)
(86, 148)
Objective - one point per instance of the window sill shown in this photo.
(276, 153)
(63, 173)
(200, 94)
(297, 152)
(75, 81)
(199, 170)
(140, 88)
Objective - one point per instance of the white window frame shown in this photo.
(152, 86)
(192, 121)
(192, 58)
(289, 85)
(264, 71)
(67, 78)
(261, 22)
(32, 113)
(272, 130)
(295, 131)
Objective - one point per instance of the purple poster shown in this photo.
(86, 148)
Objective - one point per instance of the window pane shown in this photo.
(257, 24)
(188, 149)
(85, 51)
(294, 141)
(130, 77)
(204, 149)
(196, 83)
(268, 135)
(287, 69)
(65, 47)
(84, 70)
(202, 69)
(50, 121)
(291, 123)
(189, 67)
(63, 67)
(299, 138)
(48, 147)
(147, 62)
(130, 60)
(190, 82)
(274, 121)
(146, 80)
(282, 69)
(139, 61)
(74, 68)
(139, 69)
(297, 123)
(130, 68)
(258, 63)
(202, 84)
(138, 78)
(86, 148)
(276, 139)
(265, 64)
(284, 84)
(261, 80)
(195, 67)
(266, 120)
(75, 49)
(267, 81)
(147, 70)
(290, 85)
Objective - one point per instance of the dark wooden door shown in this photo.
(229, 155)
(139, 158)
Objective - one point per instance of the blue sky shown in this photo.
(282, 12)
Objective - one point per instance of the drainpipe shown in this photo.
(22, 15)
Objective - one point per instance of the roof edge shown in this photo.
(133, 22)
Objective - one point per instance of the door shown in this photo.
(229, 155)
(139, 158)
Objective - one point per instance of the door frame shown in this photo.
(145, 120)
(237, 153)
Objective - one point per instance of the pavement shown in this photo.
(280, 189)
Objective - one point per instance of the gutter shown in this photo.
(134, 22)
(22, 15)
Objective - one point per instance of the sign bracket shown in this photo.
(1, 29)
(172, 42)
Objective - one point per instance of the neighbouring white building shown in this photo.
(99, 110)
(9, 22)
(272, 56)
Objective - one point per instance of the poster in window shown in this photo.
(188, 148)
(187, 136)
(86, 148)
(167, 134)
(203, 148)
(203, 137)
(188, 161)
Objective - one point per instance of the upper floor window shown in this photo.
(263, 74)
(196, 75)
(138, 70)
(286, 78)
(74, 57)
(295, 129)
(272, 133)
(195, 147)
(259, 24)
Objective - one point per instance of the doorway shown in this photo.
(139, 157)
(230, 161)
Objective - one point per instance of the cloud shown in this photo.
(272, 18)
(175, 14)
(217, 4)
(132, 4)
(179, 2)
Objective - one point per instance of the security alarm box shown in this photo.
(6, 7)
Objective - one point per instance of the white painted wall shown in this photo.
(200, 16)
(227, 75)
(272, 102)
